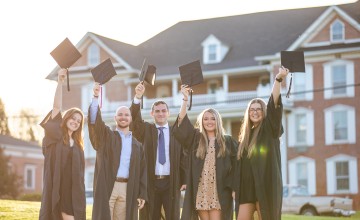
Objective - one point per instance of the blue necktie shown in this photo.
(162, 158)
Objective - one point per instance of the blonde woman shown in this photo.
(257, 181)
(212, 155)
(63, 194)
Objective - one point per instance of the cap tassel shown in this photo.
(100, 96)
(67, 79)
(142, 98)
(288, 92)
(191, 92)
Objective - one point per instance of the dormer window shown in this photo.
(93, 55)
(214, 51)
(337, 31)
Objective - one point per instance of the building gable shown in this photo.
(319, 33)
(91, 43)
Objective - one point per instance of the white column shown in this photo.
(226, 83)
(175, 91)
(129, 92)
(228, 126)
(174, 87)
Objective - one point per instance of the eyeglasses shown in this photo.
(252, 110)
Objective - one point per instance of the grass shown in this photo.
(21, 210)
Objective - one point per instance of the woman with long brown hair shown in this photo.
(212, 161)
(257, 180)
(63, 194)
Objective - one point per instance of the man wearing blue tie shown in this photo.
(164, 156)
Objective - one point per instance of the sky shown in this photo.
(30, 30)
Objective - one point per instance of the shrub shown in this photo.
(31, 197)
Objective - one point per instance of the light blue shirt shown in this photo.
(125, 156)
(93, 110)
(126, 140)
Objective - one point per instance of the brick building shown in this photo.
(240, 56)
(27, 160)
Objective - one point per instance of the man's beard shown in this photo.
(122, 126)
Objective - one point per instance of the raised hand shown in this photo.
(139, 90)
(185, 90)
(96, 89)
(62, 75)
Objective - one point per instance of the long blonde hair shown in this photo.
(76, 135)
(204, 139)
(245, 129)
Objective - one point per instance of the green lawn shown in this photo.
(20, 210)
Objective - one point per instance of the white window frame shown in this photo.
(337, 21)
(331, 174)
(93, 55)
(309, 127)
(221, 49)
(309, 85)
(311, 171)
(88, 170)
(328, 82)
(329, 125)
(32, 168)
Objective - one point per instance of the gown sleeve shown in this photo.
(52, 129)
(274, 117)
(184, 133)
(99, 132)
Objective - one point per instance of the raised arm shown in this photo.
(283, 72)
(137, 125)
(58, 93)
(185, 91)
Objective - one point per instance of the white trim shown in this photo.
(93, 54)
(311, 171)
(350, 79)
(329, 125)
(331, 174)
(327, 43)
(332, 34)
(309, 114)
(32, 168)
(221, 49)
(312, 28)
(88, 170)
(276, 56)
(212, 73)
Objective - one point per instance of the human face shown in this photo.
(209, 122)
(160, 114)
(74, 122)
(123, 117)
(256, 113)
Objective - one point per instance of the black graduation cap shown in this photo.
(103, 72)
(147, 74)
(191, 75)
(65, 54)
(294, 61)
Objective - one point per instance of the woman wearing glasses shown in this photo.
(257, 182)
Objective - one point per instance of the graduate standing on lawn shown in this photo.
(63, 196)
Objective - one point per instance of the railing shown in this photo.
(218, 100)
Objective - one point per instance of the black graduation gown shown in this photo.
(189, 137)
(52, 149)
(147, 134)
(107, 144)
(266, 164)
